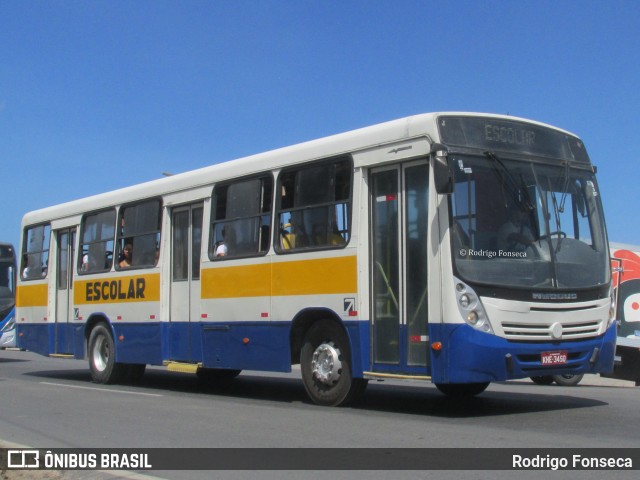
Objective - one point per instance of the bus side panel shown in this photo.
(247, 346)
(35, 337)
(78, 340)
(469, 356)
(138, 342)
(359, 340)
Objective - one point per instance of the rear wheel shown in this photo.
(102, 357)
(325, 361)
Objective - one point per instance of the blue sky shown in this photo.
(97, 95)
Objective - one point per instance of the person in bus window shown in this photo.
(221, 247)
(25, 261)
(127, 253)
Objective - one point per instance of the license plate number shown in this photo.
(554, 358)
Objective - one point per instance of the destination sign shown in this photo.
(512, 136)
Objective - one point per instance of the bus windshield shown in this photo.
(522, 224)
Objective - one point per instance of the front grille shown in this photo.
(542, 332)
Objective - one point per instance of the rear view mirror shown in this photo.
(442, 175)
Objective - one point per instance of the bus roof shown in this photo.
(421, 125)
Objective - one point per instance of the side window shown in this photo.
(315, 206)
(241, 218)
(98, 230)
(35, 257)
(138, 239)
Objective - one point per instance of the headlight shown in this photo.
(10, 325)
(471, 308)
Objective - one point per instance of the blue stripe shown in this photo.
(469, 356)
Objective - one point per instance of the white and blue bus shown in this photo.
(455, 248)
(7, 295)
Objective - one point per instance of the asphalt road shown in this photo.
(51, 403)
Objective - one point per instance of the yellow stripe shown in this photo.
(302, 277)
(136, 288)
(32, 295)
(315, 277)
(241, 281)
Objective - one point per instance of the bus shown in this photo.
(7, 295)
(455, 248)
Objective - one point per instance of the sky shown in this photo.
(98, 95)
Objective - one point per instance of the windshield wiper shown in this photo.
(565, 187)
(558, 207)
(518, 191)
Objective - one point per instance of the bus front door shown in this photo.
(186, 239)
(399, 219)
(64, 290)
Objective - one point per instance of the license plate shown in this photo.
(554, 358)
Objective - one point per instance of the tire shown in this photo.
(462, 390)
(543, 380)
(567, 380)
(102, 357)
(325, 362)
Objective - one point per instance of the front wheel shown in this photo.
(567, 380)
(325, 362)
(543, 380)
(102, 357)
(461, 390)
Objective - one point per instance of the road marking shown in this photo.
(102, 389)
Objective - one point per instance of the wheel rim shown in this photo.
(326, 365)
(101, 353)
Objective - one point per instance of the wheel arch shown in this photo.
(93, 320)
(303, 321)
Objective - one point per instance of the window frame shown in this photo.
(121, 240)
(265, 177)
(44, 272)
(347, 161)
(81, 249)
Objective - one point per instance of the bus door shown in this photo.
(399, 220)
(186, 239)
(66, 240)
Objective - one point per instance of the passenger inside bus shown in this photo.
(126, 260)
(221, 246)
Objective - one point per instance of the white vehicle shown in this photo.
(454, 248)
